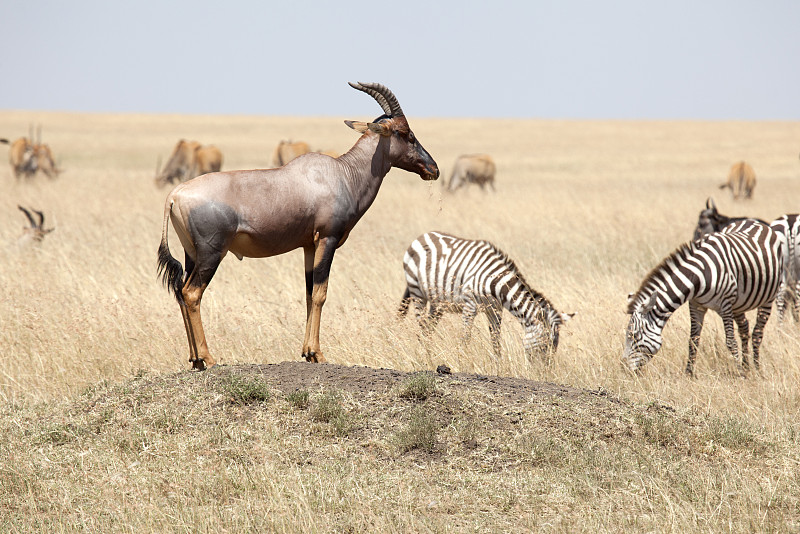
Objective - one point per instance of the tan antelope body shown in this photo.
(22, 157)
(286, 151)
(189, 159)
(472, 169)
(45, 161)
(313, 203)
(741, 180)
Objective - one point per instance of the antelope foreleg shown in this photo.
(323, 257)
(192, 295)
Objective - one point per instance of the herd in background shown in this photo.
(732, 264)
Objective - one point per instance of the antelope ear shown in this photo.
(380, 129)
(360, 127)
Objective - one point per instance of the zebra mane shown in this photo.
(539, 298)
(649, 282)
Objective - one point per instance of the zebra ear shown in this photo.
(630, 300)
(649, 304)
(565, 317)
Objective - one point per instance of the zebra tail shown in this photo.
(404, 303)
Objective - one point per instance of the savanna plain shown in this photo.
(103, 427)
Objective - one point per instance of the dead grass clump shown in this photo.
(419, 432)
(328, 407)
(418, 387)
(245, 390)
(299, 399)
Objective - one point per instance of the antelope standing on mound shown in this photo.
(35, 232)
(313, 203)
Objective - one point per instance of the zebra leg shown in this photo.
(780, 302)
(468, 316)
(730, 338)
(696, 315)
(758, 331)
(744, 334)
(495, 318)
(795, 294)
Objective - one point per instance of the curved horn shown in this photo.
(41, 218)
(383, 95)
(28, 215)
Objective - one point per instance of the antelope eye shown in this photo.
(411, 137)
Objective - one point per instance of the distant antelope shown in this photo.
(472, 169)
(465, 275)
(188, 159)
(35, 232)
(22, 157)
(313, 203)
(741, 180)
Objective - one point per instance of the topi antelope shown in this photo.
(313, 203)
(35, 232)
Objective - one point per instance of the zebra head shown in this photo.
(541, 335)
(643, 334)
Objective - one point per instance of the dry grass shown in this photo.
(584, 208)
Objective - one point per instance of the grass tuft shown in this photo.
(419, 433)
(418, 387)
(245, 390)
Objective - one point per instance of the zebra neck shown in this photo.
(524, 303)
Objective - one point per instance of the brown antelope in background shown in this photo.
(472, 169)
(313, 203)
(188, 159)
(741, 180)
(27, 156)
(286, 151)
(35, 232)
(22, 157)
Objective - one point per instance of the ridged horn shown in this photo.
(41, 218)
(28, 215)
(383, 95)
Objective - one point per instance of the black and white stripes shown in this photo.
(464, 275)
(788, 226)
(731, 272)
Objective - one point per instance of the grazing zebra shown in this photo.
(455, 274)
(788, 227)
(729, 272)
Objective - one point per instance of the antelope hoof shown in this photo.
(314, 357)
(200, 365)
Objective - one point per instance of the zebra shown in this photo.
(788, 227)
(730, 272)
(455, 274)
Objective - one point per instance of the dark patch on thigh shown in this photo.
(212, 226)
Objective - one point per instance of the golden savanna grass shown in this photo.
(585, 209)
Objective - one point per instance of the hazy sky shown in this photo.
(676, 59)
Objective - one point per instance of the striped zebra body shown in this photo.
(788, 226)
(454, 274)
(730, 272)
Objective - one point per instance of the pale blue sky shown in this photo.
(672, 59)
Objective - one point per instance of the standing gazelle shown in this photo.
(313, 203)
